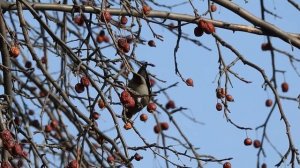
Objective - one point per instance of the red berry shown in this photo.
(146, 9)
(54, 124)
(124, 20)
(213, 8)
(264, 165)
(227, 165)
(189, 82)
(198, 31)
(170, 104)
(100, 38)
(79, 20)
(44, 60)
(151, 43)
(152, 82)
(157, 129)
(105, 16)
(48, 128)
(164, 125)
(14, 51)
(138, 157)
(85, 81)
(151, 107)
(220, 93)
(130, 103)
(202, 24)
(266, 46)
(95, 115)
(284, 87)
(256, 143)
(143, 117)
(210, 28)
(79, 88)
(101, 104)
(219, 106)
(106, 39)
(248, 141)
(43, 93)
(229, 98)
(126, 48)
(17, 150)
(269, 102)
(128, 126)
(73, 164)
(110, 159)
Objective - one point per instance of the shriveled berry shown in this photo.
(256, 143)
(284, 87)
(143, 117)
(17, 121)
(151, 107)
(248, 141)
(170, 104)
(219, 106)
(138, 157)
(79, 88)
(220, 92)
(124, 20)
(151, 43)
(28, 64)
(30, 112)
(198, 31)
(269, 102)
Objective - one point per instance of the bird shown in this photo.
(140, 90)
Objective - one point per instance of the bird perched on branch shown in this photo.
(140, 90)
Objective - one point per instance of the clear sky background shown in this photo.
(216, 136)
